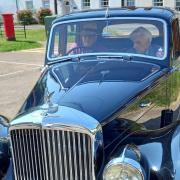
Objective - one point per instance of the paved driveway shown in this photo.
(18, 73)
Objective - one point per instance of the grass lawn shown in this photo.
(33, 40)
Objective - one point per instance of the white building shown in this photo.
(65, 6)
(92, 4)
(14, 5)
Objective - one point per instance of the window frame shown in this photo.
(26, 3)
(104, 3)
(50, 59)
(45, 1)
(158, 3)
(127, 3)
(86, 4)
(177, 7)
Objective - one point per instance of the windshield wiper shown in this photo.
(115, 57)
(73, 59)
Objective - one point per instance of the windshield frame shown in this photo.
(50, 59)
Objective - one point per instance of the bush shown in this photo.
(25, 17)
(42, 13)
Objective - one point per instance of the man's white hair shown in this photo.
(141, 31)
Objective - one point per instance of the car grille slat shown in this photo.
(24, 157)
(45, 154)
(37, 136)
(90, 162)
(26, 154)
(49, 154)
(74, 154)
(84, 157)
(54, 152)
(19, 155)
(64, 157)
(59, 157)
(80, 163)
(70, 154)
(33, 152)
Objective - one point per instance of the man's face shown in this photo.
(88, 39)
(141, 43)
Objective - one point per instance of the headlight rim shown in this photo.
(127, 162)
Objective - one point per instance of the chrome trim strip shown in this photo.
(22, 151)
(89, 154)
(80, 162)
(54, 152)
(65, 158)
(49, 155)
(41, 155)
(28, 157)
(44, 151)
(75, 159)
(112, 18)
(22, 172)
(34, 151)
(60, 158)
(84, 158)
(69, 152)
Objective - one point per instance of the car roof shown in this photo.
(152, 12)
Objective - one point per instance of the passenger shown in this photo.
(142, 39)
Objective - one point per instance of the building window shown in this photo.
(157, 2)
(128, 3)
(86, 4)
(104, 3)
(29, 5)
(46, 3)
(178, 5)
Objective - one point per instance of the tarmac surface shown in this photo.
(19, 72)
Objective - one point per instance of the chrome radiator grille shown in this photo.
(52, 155)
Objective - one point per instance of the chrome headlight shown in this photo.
(123, 168)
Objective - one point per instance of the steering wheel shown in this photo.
(77, 50)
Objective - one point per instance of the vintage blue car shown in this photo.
(107, 104)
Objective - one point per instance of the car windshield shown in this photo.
(130, 36)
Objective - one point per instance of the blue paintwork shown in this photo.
(104, 97)
(162, 13)
(109, 94)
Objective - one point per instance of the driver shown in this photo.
(88, 38)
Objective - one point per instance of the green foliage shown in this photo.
(161, 97)
(42, 13)
(25, 17)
